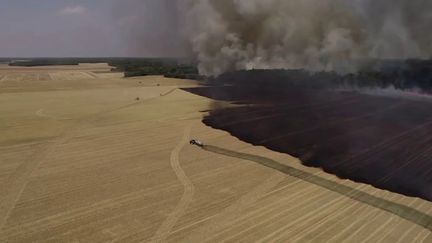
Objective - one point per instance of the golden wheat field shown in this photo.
(83, 160)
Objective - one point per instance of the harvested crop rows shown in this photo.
(67, 76)
(83, 160)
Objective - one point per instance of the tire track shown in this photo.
(424, 233)
(18, 181)
(266, 219)
(308, 225)
(312, 209)
(273, 207)
(403, 211)
(87, 214)
(379, 229)
(411, 229)
(228, 215)
(353, 228)
(355, 208)
(165, 229)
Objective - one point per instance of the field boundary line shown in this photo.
(189, 190)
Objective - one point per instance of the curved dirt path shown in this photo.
(165, 229)
(17, 182)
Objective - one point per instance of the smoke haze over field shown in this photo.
(221, 35)
(314, 34)
(149, 27)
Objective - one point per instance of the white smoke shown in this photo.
(148, 28)
(317, 35)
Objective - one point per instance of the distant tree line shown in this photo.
(399, 74)
(169, 67)
(42, 62)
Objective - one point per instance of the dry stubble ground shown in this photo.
(81, 160)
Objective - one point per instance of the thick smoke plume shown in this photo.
(317, 35)
(148, 28)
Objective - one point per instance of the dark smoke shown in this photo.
(313, 34)
(318, 35)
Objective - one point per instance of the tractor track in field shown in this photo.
(400, 210)
(19, 179)
(189, 190)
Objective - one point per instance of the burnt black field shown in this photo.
(382, 140)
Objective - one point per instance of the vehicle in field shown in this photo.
(196, 142)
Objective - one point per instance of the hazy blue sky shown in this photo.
(56, 28)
